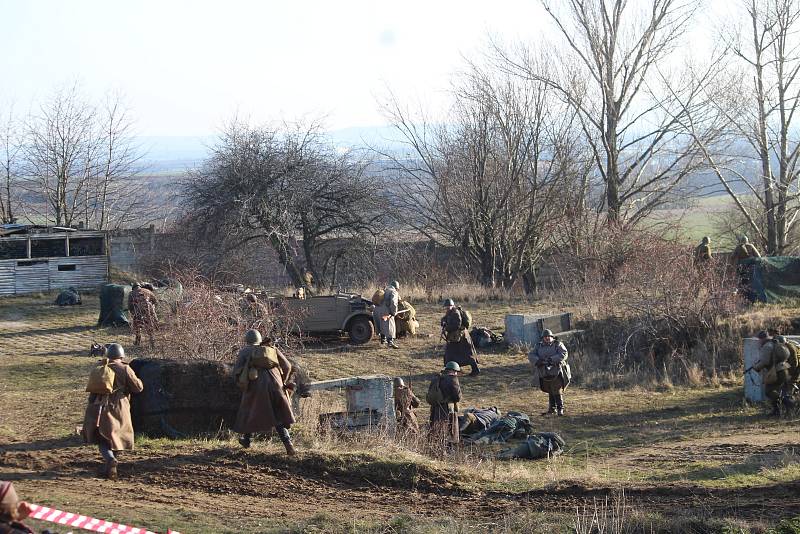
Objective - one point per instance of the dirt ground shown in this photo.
(699, 457)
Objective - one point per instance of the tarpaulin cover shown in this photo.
(113, 303)
(773, 279)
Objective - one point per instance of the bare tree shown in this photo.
(61, 147)
(10, 148)
(609, 75)
(486, 180)
(760, 113)
(283, 187)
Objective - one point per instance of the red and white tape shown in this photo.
(51, 515)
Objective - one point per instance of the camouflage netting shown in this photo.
(184, 398)
(774, 279)
(113, 303)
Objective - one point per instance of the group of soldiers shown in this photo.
(743, 250)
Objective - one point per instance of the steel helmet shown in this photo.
(135, 285)
(763, 334)
(547, 333)
(448, 302)
(395, 284)
(252, 337)
(452, 366)
(779, 339)
(115, 352)
(398, 382)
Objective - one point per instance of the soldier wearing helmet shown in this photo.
(388, 311)
(262, 372)
(107, 420)
(774, 358)
(405, 402)
(459, 348)
(142, 307)
(444, 394)
(702, 253)
(744, 250)
(549, 359)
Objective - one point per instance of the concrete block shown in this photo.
(526, 329)
(367, 401)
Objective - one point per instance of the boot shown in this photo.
(111, 469)
(244, 441)
(290, 450)
(550, 411)
(560, 411)
(475, 372)
(392, 344)
(776, 409)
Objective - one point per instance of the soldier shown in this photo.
(12, 511)
(390, 307)
(774, 357)
(444, 394)
(142, 305)
(744, 250)
(549, 359)
(262, 372)
(702, 253)
(107, 421)
(459, 348)
(405, 402)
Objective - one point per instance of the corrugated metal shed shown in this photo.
(32, 262)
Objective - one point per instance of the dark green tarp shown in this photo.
(113, 303)
(773, 279)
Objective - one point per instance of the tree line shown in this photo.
(545, 145)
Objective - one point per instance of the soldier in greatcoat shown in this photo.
(444, 407)
(549, 359)
(459, 348)
(265, 403)
(107, 421)
(142, 306)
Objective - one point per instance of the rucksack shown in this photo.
(101, 379)
(466, 318)
(377, 297)
(435, 395)
(264, 357)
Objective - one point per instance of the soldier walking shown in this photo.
(549, 359)
(107, 420)
(405, 402)
(142, 305)
(262, 372)
(773, 356)
(444, 394)
(459, 348)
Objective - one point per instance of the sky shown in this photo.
(184, 67)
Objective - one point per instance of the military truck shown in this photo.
(332, 314)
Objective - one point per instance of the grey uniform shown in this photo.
(550, 363)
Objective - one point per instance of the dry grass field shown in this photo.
(637, 460)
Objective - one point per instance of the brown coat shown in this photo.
(142, 305)
(109, 416)
(404, 404)
(462, 351)
(265, 404)
(444, 417)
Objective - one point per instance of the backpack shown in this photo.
(466, 318)
(264, 357)
(377, 297)
(101, 379)
(435, 395)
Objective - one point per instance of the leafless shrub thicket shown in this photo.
(208, 323)
(652, 309)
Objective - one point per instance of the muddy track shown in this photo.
(310, 484)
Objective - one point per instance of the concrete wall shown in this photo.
(522, 329)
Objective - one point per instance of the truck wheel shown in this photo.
(360, 330)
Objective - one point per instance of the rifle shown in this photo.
(748, 370)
